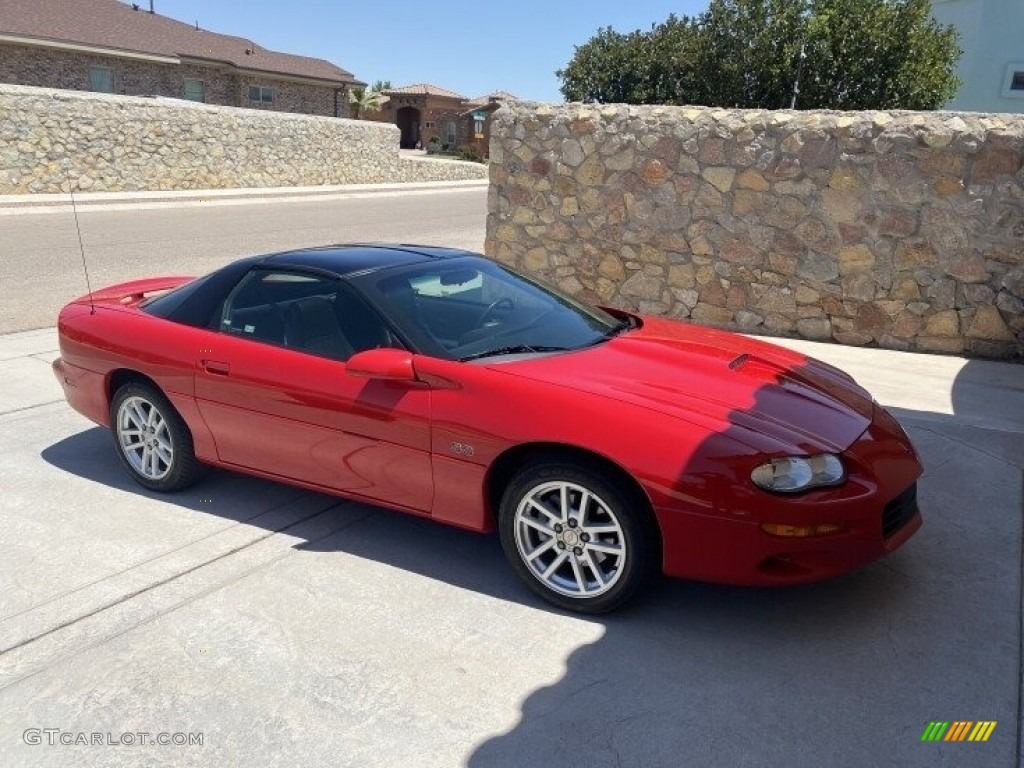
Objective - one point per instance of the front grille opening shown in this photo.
(782, 567)
(899, 512)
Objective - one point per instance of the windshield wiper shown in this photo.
(515, 349)
(619, 327)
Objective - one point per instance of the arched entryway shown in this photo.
(408, 121)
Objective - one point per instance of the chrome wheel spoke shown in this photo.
(552, 516)
(581, 513)
(544, 529)
(541, 550)
(163, 453)
(138, 415)
(594, 567)
(577, 572)
(600, 546)
(555, 564)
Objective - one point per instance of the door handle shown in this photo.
(216, 367)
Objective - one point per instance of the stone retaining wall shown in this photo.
(902, 230)
(56, 141)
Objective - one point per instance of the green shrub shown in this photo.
(471, 153)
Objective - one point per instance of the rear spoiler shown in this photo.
(133, 291)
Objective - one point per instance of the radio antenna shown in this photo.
(81, 248)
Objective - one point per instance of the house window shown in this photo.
(195, 90)
(261, 94)
(1013, 82)
(450, 131)
(430, 124)
(101, 79)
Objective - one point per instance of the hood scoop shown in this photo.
(763, 370)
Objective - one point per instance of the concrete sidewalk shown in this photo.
(293, 628)
(49, 203)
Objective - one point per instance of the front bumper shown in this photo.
(877, 508)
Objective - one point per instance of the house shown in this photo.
(424, 111)
(421, 111)
(992, 66)
(114, 47)
(477, 119)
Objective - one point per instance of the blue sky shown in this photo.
(470, 47)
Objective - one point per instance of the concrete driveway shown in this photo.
(290, 628)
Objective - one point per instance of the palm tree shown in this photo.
(363, 100)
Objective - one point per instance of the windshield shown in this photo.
(470, 308)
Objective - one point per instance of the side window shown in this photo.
(304, 312)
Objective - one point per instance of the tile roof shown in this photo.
(495, 96)
(113, 24)
(421, 89)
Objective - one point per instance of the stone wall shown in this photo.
(53, 68)
(56, 141)
(901, 230)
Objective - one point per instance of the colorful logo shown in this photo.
(958, 730)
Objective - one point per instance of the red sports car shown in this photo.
(601, 444)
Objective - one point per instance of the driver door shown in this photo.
(272, 386)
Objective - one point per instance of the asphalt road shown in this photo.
(41, 263)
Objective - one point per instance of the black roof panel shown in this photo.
(357, 258)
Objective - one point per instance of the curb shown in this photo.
(334, 191)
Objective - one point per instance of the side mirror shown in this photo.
(383, 364)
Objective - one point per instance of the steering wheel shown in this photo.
(504, 304)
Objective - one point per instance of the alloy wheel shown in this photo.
(144, 438)
(570, 539)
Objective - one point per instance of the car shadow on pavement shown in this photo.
(469, 560)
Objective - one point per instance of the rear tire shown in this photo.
(579, 540)
(151, 439)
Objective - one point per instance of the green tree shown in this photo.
(749, 53)
(839, 54)
(878, 54)
(381, 85)
(363, 100)
(635, 68)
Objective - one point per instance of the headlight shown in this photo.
(794, 473)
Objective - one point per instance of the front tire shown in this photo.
(578, 540)
(152, 440)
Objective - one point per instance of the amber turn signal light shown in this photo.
(801, 531)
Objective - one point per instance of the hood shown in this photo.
(766, 397)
